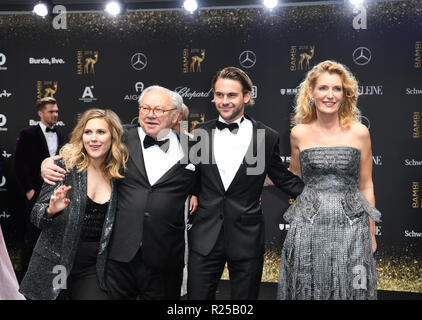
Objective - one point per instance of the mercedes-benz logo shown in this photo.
(361, 56)
(139, 61)
(247, 59)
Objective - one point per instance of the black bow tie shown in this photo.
(50, 129)
(150, 141)
(233, 127)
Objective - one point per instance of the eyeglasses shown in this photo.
(157, 111)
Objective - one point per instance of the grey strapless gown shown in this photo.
(327, 253)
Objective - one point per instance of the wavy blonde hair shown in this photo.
(348, 112)
(75, 155)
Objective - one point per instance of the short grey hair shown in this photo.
(176, 98)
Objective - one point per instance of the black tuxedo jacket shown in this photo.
(238, 210)
(150, 215)
(30, 150)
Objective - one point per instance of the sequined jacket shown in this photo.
(55, 250)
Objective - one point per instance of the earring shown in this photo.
(311, 102)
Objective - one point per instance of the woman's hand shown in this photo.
(58, 200)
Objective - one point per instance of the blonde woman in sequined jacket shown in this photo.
(76, 215)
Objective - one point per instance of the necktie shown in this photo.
(50, 129)
(233, 127)
(150, 141)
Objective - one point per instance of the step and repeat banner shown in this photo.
(87, 60)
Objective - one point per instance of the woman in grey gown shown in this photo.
(328, 250)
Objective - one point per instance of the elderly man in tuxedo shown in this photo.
(146, 249)
(33, 145)
(228, 225)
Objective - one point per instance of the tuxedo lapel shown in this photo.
(135, 151)
(213, 164)
(45, 151)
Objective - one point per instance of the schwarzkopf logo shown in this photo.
(413, 91)
(361, 56)
(413, 162)
(412, 234)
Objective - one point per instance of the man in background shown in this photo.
(33, 145)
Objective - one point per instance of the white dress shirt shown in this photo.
(230, 149)
(157, 162)
(51, 138)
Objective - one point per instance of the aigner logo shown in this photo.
(361, 56)
(247, 59)
(192, 60)
(46, 89)
(86, 61)
(138, 61)
(2, 61)
(139, 87)
(306, 53)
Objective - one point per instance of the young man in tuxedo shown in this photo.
(33, 145)
(228, 225)
(146, 250)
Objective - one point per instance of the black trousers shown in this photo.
(135, 280)
(204, 273)
(82, 283)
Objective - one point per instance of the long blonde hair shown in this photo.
(348, 112)
(75, 155)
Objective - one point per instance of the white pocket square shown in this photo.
(190, 167)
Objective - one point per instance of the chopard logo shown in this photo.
(186, 92)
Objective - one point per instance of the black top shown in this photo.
(92, 226)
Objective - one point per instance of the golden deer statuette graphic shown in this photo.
(195, 122)
(49, 92)
(197, 60)
(89, 63)
(306, 56)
